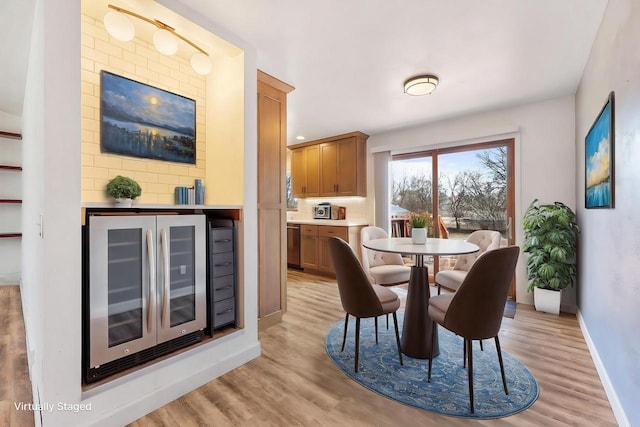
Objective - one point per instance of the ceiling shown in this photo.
(348, 60)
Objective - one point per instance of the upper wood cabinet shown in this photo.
(330, 167)
(305, 171)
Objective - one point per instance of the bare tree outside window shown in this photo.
(472, 189)
(292, 202)
(455, 195)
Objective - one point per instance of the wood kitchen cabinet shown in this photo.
(324, 235)
(314, 245)
(272, 204)
(330, 167)
(305, 172)
(309, 247)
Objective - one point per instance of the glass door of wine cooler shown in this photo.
(122, 289)
(181, 275)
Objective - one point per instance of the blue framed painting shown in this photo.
(139, 120)
(599, 159)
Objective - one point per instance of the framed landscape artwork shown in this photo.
(599, 159)
(143, 121)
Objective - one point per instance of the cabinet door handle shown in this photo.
(223, 287)
(337, 188)
(151, 296)
(224, 264)
(165, 278)
(222, 241)
(224, 312)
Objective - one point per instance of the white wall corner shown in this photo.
(616, 406)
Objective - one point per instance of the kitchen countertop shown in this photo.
(332, 222)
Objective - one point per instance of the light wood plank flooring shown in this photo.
(295, 383)
(15, 386)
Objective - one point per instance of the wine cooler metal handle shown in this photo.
(165, 276)
(151, 297)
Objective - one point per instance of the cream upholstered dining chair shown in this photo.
(358, 296)
(451, 279)
(475, 311)
(382, 268)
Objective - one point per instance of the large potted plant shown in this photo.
(550, 239)
(124, 190)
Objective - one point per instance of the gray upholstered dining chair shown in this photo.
(451, 279)
(383, 268)
(475, 310)
(358, 296)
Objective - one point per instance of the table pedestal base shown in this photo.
(416, 331)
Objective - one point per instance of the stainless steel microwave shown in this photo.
(322, 211)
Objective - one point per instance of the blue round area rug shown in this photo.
(448, 391)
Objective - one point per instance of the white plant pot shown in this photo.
(419, 236)
(547, 300)
(123, 203)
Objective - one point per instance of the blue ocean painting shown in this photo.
(598, 162)
(143, 121)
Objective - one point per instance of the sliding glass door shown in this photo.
(475, 186)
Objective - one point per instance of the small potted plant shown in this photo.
(550, 239)
(124, 190)
(419, 222)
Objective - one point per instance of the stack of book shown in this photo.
(190, 195)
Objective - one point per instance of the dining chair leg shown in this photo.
(504, 379)
(387, 321)
(395, 324)
(481, 349)
(438, 288)
(470, 354)
(433, 338)
(464, 352)
(376, 322)
(344, 338)
(357, 341)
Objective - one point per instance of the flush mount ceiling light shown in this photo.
(120, 27)
(420, 85)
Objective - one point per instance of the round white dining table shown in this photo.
(416, 329)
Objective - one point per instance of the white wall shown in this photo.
(609, 289)
(51, 281)
(545, 158)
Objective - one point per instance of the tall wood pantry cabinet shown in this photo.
(272, 203)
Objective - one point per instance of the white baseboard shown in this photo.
(616, 406)
(173, 390)
(9, 278)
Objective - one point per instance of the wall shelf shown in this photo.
(10, 135)
(8, 235)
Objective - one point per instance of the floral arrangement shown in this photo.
(420, 220)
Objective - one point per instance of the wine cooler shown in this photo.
(146, 289)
